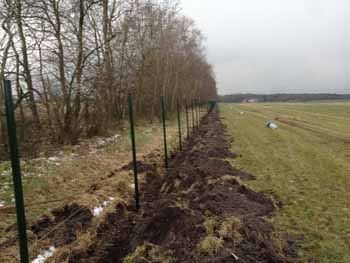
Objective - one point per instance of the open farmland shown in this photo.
(306, 163)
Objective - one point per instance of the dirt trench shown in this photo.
(200, 186)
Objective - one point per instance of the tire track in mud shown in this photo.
(200, 186)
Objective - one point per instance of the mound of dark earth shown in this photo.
(199, 184)
(62, 229)
(140, 166)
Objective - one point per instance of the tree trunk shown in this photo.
(26, 68)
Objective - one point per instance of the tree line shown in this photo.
(73, 62)
(285, 97)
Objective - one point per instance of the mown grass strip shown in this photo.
(309, 173)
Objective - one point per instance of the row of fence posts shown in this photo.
(195, 106)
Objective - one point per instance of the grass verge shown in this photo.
(306, 163)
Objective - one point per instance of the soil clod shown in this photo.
(62, 229)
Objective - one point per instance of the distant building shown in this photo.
(250, 101)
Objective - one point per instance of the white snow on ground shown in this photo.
(28, 174)
(4, 187)
(2, 203)
(101, 142)
(96, 211)
(60, 156)
(53, 159)
(45, 255)
(93, 147)
(6, 173)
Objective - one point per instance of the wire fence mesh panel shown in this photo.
(67, 189)
(16, 172)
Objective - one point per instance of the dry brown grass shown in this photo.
(149, 253)
(210, 245)
(229, 229)
(87, 180)
(218, 232)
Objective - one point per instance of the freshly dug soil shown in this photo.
(140, 166)
(63, 228)
(200, 184)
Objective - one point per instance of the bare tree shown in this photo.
(18, 9)
(79, 59)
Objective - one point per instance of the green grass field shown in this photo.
(306, 162)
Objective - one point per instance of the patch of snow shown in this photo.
(101, 142)
(53, 159)
(28, 174)
(97, 210)
(45, 255)
(6, 173)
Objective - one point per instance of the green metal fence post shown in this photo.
(187, 121)
(179, 123)
(164, 133)
(16, 172)
(196, 111)
(198, 114)
(133, 146)
(200, 110)
(193, 124)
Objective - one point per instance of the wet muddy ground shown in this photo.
(200, 186)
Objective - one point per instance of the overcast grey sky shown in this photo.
(270, 46)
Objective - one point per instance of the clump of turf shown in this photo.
(211, 245)
(148, 253)
(218, 232)
(229, 229)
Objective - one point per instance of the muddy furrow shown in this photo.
(199, 211)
